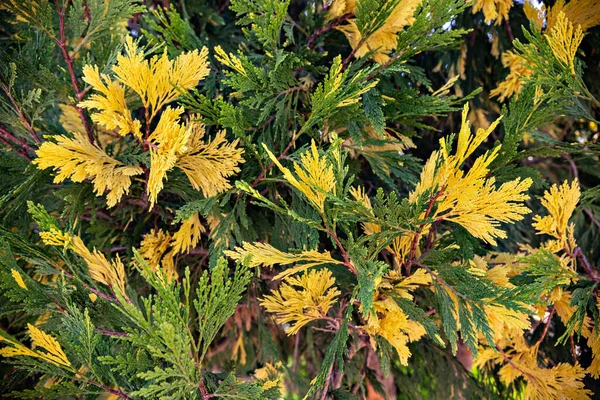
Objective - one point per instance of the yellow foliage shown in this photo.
(384, 39)
(394, 326)
(532, 12)
(515, 80)
(54, 353)
(54, 237)
(563, 381)
(270, 376)
(471, 199)
(112, 113)
(154, 245)
(208, 165)
(18, 278)
(564, 41)
(169, 140)
(315, 177)
(582, 13)
(76, 158)
(100, 269)
(157, 80)
(229, 60)
(263, 254)
(407, 284)
(188, 234)
(71, 121)
(493, 9)
(154, 248)
(593, 343)
(300, 300)
(339, 8)
(560, 201)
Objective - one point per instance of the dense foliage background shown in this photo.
(275, 199)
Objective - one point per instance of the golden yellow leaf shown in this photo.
(263, 254)
(18, 278)
(208, 165)
(78, 159)
(300, 300)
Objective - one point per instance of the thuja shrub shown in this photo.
(264, 199)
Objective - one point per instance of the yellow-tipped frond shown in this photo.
(154, 248)
(493, 9)
(208, 165)
(560, 201)
(385, 39)
(583, 13)
(18, 278)
(53, 353)
(315, 176)
(392, 324)
(263, 254)
(300, 300)
(76, 158)
(515, 80)
(229, 60)
(154, 245)
(100, 269)
(170, 139)
(110, 102)
(471, 199)
(157, 80)
(564, 41)
(188, 234)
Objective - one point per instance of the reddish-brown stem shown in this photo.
(327, 381)
(106, 332)
(18, 151)
(91, 289)
(347, 261)
(573, 351)
(591, 272)
(264, 171)
(352, 53)
(62, 44)
(415, 241)
(203, 390)
(313, 38)
(383, 66)
(26, 122)
(116, 392)
(18, 141)
(512, 364)
(545, 331)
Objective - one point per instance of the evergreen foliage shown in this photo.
(264, 199)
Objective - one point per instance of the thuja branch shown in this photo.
(444, 283)
(315, 35)
(590, 271)
(62, 44)
(19, 111)
(417, 235)
(264, 171)
(116, 392)
(343, 251)
(512, 364)
(545, 331)
(11, 138)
